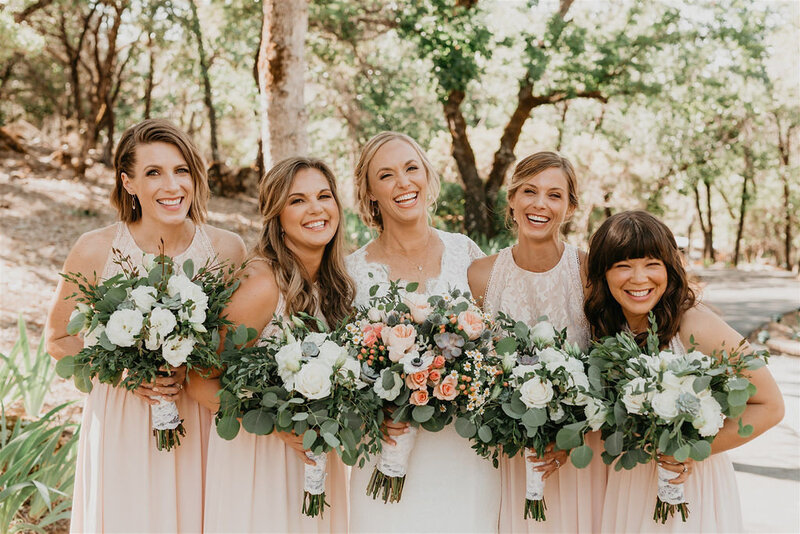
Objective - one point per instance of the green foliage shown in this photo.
(25, 374)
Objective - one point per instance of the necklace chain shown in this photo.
(418, 266)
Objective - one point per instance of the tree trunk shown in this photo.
(281, 80)
(259, 163)
(213, 172)
(748, 176)
(562, 125)
(476, 221)
(705, 226)
(148, 88)
(784, 148)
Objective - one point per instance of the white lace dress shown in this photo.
(448, 487)
(574, 497)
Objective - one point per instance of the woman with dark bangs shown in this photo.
(635, 268)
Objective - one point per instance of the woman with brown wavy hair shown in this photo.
(635, 268)
(254, 483)
(122, 483)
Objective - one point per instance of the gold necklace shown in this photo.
(418, 266)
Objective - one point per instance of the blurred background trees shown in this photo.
(687, 109)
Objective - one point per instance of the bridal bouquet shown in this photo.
(305, 382)
(667, 403)
(542, 397)
(416, 351)
(136, 325)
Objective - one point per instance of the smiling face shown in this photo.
(637, 285)
(541, 204)
(397, 181)
(161, 182)
(311, 215)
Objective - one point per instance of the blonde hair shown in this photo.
(368, 209)
(535, 164)
(157, 131)
(336, 289)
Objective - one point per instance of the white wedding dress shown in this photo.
(448, 487)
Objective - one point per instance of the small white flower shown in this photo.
(313, 380)
(552, 358)
(92, 338)
(351, 365)
(543, 333)
(388, 394)
(595, 412)
(144, 297)
(123, 326)
(176, 349)
(521, 370)
(162, 323)
(289, 359)
(703, 360)
(536, 392)
(557, 413)
(376, 316)
(710, 419)
(634, 395)
(331, 353)
(149, 261)
(419, 306)
(509, 361)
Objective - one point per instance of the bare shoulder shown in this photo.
(256, 299)
(90, 251)
(478, 276)
(708, 331)
(227, 244)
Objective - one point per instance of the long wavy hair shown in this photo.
(368, 209)
(631, 235)
(335, 289)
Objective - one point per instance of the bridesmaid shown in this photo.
(543, 275)
(635, 268)
(448, 487)
(122, 483)
(255, 483)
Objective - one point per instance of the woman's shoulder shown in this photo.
(228, 245)
(258, 293)
(703, 327)
(90, 251)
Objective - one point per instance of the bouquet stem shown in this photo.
(670, 498)
(167, 425)
(314, 485)
(389, 475)
(534, 489)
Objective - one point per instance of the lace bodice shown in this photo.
(199, 251)
(459, 251)
(676, 346)
(526, 295)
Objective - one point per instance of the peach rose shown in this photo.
(372, 333)
(418, 305)
(438, 362)
(399, 339)
(446, 389)
(419, 397)
(434, 377)
(472, 323)
(417, 380)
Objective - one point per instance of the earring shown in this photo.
(133, 199)
(375, 210)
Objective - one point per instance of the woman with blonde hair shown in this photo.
(448, 487)
(255, 483)
(122, 483)
(544, 275)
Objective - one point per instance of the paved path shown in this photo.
(767, 468)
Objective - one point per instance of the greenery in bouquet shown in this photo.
(664, 402)
(302, 380)
(425, 357)
(137, 324)
(541, 397)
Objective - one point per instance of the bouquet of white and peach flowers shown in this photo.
(302, 380)
(663, 402)
(136, 325)
(420, 353)
(541, 397)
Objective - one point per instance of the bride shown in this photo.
(448, 487)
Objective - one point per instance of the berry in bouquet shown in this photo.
(668, 402)
(305, 381)
(136, 325)
(541, 397)
(415, 348)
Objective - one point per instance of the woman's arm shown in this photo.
(253, 305)
(765, 409)
(478, 277)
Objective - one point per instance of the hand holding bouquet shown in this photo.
(135, 324)
(541, 397)
(414, 349)
(669, 403)
(305, 382)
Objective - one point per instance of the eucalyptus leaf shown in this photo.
(308, 439)
(534, 417)
(507, 345)
(465, 427)
(485, 434)
(259, 422)
(422, 413)
(227, 427)
(581, 456)
(614, 443)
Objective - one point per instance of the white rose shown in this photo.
(351, 365)
(574, 365)
(123, 326)
(176, 349)
(90, 339)
(543, 333)
(536, 393)
(179, 284)
(634, 395)
(576, 396)
(521, 370)
(552, 358)
(710, 419)
(665, 404)
(162, 323)
(331, 353)
(289, 359)
(668, 358)
(375, 315)
(388, 394)
(670, 381)
(595, 412)
(144, 297)
(419, 306)
(703, 360)
(317, 338)
(313, 380)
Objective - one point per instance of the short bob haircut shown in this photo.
(157, 131)
(533, 165)
(367, 209)
(632, 235)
